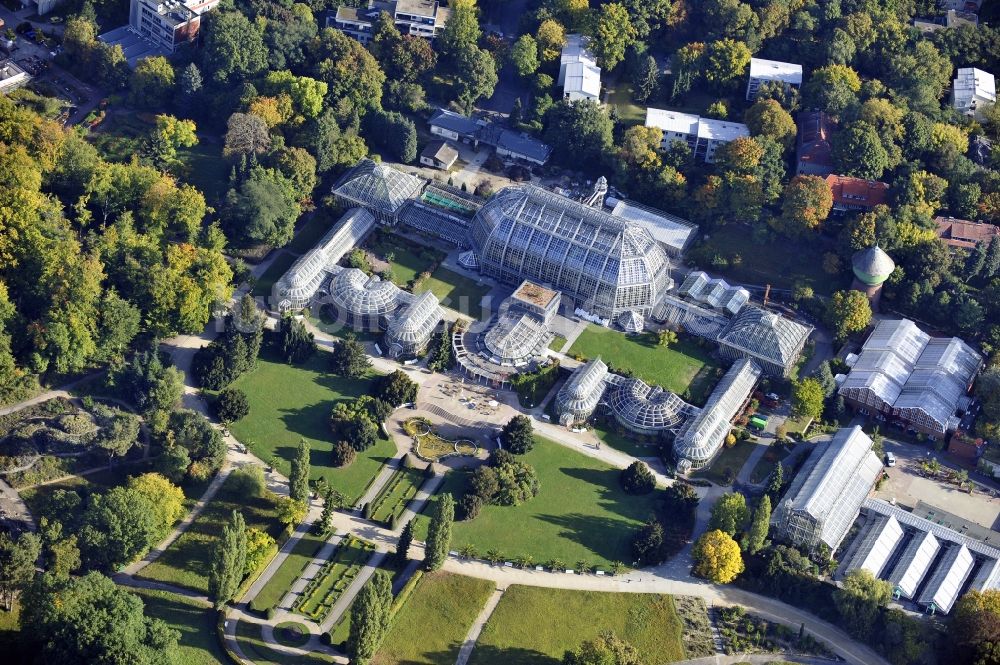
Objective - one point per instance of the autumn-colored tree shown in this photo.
(848, 312)
(551, 37)
(806, 205)
(768, 118)
(717, 557)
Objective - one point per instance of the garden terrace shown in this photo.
(391, 502)
(289, 403)
(430, 446)
(322, 591)
(537, 626)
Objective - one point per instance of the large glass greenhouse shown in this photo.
(605, 264)
(363, 302)
(409, 330)
(379, 188)
(647, 409)
(580, 395)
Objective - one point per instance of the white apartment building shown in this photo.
(419, 18)
(763, 71)
(11, 76)
(158, 27)
(973, 90)
(703, 135)
(579, 74)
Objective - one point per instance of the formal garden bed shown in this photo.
(280, 583)
(322, 592)
(429, 446)
(391, 502)
(745, 633)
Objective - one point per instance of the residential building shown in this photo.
(517, 146)
(856, 193)
(961, 5)
(771, 340)
(826, 495)
(814, 149)
(703, 135)
(11, 76)
(972, 91)
(963, 234)
(606, 265)
(672, 232)
(905, 375)
(158, 27)
(579, 74)
(764, 71)
(419, 18)
(439, 155)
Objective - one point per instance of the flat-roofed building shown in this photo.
(518, 146)
(973, 91)
(158, 27)
(579, 74)
(418, 18)
(826, 495)
(11, 76)
(905, 374)
(765, 71)
(703, 135)
(672, 232)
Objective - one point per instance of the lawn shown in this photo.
(290, 570)
(252, 643)
(205, 168)
(196, 623)
(455, 291)
(432, 625)
(580, 514)
(326, 320)
(763, 469)
(781, 263)
(620, 96)
(537, 626)
(626, 444)
(309, 233)
(682, 368)
(293, 402)
(409, 259)
(337, 573)
(557, 343)
(186, 562)
(278, 267)
(392, 500)
(727, 465)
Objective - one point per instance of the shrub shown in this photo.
(248, 481)
(231, 405)
(517, 435)
(343, 454)
(470, 506)
(366, 510)
(638, 479)
(270, 613)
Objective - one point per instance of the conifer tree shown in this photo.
(370, 618)
(403, 545)
(756, 535)
(228, 561)
(298, 480)
(439, 533)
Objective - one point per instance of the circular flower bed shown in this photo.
(466, 447)
(291, 634)
(431, 447)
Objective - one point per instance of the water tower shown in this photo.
(871, 267)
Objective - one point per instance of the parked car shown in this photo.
(890, 460)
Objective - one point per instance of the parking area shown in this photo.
(909, 483)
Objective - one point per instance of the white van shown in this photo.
(890, 459)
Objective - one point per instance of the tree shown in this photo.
(231, 405)
(118, 435)
(975, 624)
(295, 343)
(352, 74)
(859, 599)
(824, 375)
(646, 79)
(614, 34)
(204, 444)
(233, 47)
(775, 481)
(189, 87)
(755, 537)
(833, 89)
(607, 649)
(170, 134)
(647, 546)
(396, 389)
(807, 203)
(349, 357)
(228, 561)
(439, 532)
(152, 83)
(726, 60)
(370, 618)
(298, 480)
(17, 564)
(730, 514)
(524, 55)
(402, 553)
(807, 398)
(260, 545)
(768, 118)
(858, 151)
(119, 526)
(666, 338)
(91, 619)
(717, 557)
(517, 435)
(165, 500)
(477, 76)
(246, 135)
(462, 30)
(551, 37)
(987, 391)
(638, 479)
(579, 132)
(848, 312)
(290, 512)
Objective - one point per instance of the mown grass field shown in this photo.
(430, 628)
(290, 570)
(293, 402)
(536, 626)
(273, 273)
(187, 561)
(408, 259)
(454, 290)
(198, 644)
(681, 367)
(581, 513)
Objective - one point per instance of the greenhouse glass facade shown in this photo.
(580, 395)
(409, 330)
(361, 301)
(604, 264)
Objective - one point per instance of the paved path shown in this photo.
(759, 450)
(380, 481)
(755, 659)
(346, 598)
(311, 570)
(477, 626)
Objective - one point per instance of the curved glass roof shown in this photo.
(516, 338)
(765, 335)
(605, 263)
(580, 395)
(414, 323)
(359, 294)
(378, 186)
(645, 408)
